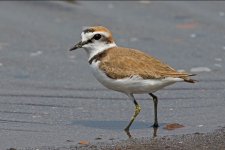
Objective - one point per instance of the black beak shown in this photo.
(78, 45)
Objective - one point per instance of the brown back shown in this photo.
(119, 62)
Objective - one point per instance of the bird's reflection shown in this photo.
(154, 133)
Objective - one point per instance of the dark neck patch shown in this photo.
(97, 57)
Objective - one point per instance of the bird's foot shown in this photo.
(155, 125)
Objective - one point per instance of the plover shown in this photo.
(127, 70)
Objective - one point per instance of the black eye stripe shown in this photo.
(89, 41)
(95, 37)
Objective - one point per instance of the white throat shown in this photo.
(98, 48)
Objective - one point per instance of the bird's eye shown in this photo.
(97, 36)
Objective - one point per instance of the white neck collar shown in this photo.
(91, 52)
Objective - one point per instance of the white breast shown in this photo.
(135, 84)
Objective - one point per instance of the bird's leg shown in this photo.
(136, 112)
(128, 133)
(155, 100)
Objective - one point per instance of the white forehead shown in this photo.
(89, 35)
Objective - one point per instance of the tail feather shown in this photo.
(192, 74)
(189, 80)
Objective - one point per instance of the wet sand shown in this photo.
(197, 141)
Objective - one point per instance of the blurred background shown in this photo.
(48, 96)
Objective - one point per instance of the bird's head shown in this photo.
(94, 40)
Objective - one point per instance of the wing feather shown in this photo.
(123, 62)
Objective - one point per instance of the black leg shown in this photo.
(155, 100)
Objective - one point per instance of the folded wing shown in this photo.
(123, 62)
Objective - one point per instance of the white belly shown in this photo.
(135, 85)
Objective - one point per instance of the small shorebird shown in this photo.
(127, 70)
